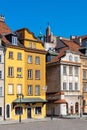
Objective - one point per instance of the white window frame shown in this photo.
(14, 40)
(19, 89)
(29, 59)
(10, 88)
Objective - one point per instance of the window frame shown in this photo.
(37, 90)
(30, 74)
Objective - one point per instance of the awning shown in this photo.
(30, 100)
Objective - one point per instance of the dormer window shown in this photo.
(14, 40)
(70, 58)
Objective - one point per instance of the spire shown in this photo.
(40, 36)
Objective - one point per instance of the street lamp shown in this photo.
(20, 96)
(81, 98)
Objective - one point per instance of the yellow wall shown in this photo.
(24, 81)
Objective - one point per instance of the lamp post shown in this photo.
(81, 98)
(20, 96)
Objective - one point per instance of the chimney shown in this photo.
(2, 18)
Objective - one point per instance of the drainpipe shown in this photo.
(4, 51)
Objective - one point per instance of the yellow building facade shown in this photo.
(25, 78)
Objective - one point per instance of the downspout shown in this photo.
(4, 83)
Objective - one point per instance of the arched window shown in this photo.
(76, 107)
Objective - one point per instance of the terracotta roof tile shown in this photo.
(70, 45)
(4, 28)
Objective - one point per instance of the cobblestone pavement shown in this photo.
(46, 124)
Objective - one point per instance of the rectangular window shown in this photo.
(10, 55)
(34, 45)
(37, 90)
(19, 89)
(14, 40)
(19, 72)
(76, 86)
(30, 74)
(0, 58)
(10, 89)
(76, 59)
(64, 70)
(0, 74)
(0, 91)
(37, 60)
(38, 110)
(70, 87)
(64, 86)
(76, 71)
(29, 89)
(84, 74)
(84, 87)
(29, 59)
(37, 74)
(0, 111)
(30, 45)
(19, 56)
(70, 70)
(10, 71)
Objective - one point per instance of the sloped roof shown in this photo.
(70, 45)
(4, 29)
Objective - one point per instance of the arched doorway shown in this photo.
(76, 107)
(8, 111)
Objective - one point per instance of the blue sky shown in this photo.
(66, 17)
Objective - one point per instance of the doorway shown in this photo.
(8, 111)
(28, 112)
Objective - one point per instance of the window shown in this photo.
(84, 74)
(38, 110)
(0, 91)
(10, 89)
(70, 58)
(76, 86)
(37, 60)
(19, 89)
(37, 90)
(64, 86)
(70, 70)
(84, 87)
(76, 71)
(0, 58)
(34, 45)
(30, 45)
(29, 59)
(14, 40)
(18, 110)
(19, 56)
(37, 74)
(70, 86)
(0, 111)
(10, 55)
(0, 74)
(30, 74)
(29, 89)
(76, 59)
(10, 71)
(64, 70)
(19, 72)
(77, 107)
